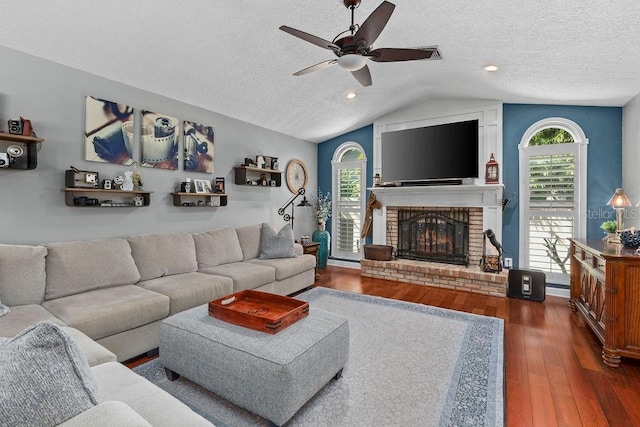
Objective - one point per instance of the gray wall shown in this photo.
(52, 96)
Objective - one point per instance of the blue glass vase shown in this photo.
(323, 237)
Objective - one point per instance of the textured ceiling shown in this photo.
(230, 57)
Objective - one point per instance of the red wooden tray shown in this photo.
(258, 310)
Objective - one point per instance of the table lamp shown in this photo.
(619, 201)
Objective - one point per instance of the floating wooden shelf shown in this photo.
(198, 200)
(117, 198)
(19, 138)
(245, 174)
(29, 145)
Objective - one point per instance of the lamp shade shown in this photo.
(619, 199)
(304, 202)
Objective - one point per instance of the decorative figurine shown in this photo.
(136, 176)
(127, 184)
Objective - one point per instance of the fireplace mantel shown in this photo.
(486, 196)
(441, 195)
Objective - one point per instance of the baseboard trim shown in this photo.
(557, 292)
(344, 263)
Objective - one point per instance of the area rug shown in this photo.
(409, 365)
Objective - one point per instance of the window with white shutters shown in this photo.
(349, 166)
(552, 197)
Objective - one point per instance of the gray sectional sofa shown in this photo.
(111, 295)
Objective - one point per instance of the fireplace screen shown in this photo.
(440, 235)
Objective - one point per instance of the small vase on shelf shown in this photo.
(323, 237)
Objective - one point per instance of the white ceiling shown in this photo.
(230, 57)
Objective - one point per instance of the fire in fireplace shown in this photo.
(437, 234)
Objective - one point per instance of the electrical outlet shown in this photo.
(508, 262)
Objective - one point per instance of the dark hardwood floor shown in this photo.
(554, 375)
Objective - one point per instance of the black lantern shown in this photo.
(492, 171)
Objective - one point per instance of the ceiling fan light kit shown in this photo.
(352, 62)
(353, 49)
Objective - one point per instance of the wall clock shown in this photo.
(296, 175)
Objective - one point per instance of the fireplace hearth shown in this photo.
(439, 235)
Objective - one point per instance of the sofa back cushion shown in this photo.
(217, 247)
(249, 238)
(84, 265)
(22, 274)
(163, 254)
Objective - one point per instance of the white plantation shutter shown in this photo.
(348, 206)
(349, 166)
(551, 181)
(552, 198)
(551, 211)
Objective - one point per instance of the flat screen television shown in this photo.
(441, 152)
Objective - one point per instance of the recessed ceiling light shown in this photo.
(351, 95)
(491, 68)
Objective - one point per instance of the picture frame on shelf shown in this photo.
(202, 185)
(219, 185)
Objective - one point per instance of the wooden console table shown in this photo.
(605, 290)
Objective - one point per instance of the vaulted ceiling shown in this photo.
(230, 57)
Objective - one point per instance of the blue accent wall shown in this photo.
(603, 128)
(326, 149)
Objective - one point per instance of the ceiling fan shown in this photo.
(355, 47)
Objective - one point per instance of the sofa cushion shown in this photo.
(163, 254)
(22, 274)
(46, 379)
(80, 266)
(245, 275)
(288, 267)
(105, 312)
(276, 245)
(110, 413)
(190, 289)
(22, 316)
(217, 247)
(94, 352)
(249, 238)
(159, 408)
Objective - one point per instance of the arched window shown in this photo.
(349, 167)
(553, 162)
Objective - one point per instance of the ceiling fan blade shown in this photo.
(320, 66)
(363, 75)
(373, 25)
(393, 54)
(326, 44)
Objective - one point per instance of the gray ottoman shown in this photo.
(270, 375)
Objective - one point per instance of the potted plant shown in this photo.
(610, 228)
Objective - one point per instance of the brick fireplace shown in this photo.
(431, 213)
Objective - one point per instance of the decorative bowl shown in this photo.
(630, 239)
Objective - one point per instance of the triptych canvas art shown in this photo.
(113, 133)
